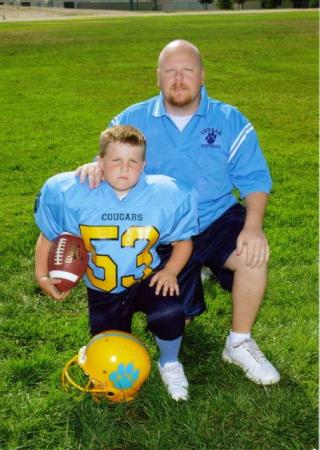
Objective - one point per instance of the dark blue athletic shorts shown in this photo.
(211, 248)
(107, 311)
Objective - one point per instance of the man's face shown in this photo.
(122, 166)
(180, 77)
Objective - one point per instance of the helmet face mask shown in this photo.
(115, 363)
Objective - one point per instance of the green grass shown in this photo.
(60, 83)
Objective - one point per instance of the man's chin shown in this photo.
(179, 101)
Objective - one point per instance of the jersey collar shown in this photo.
(139, 187)
(159, 109)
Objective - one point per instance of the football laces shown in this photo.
(58, 256)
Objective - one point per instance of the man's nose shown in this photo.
(179, 75)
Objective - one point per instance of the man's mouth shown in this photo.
(179, 88)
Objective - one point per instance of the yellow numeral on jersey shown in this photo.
(128, 239)
(104, 261)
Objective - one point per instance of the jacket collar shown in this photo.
(159, 109)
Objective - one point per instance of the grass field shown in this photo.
(60, 83)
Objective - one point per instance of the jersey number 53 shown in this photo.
(127, 239)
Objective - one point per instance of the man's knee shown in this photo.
(167, 320)
(240, 263)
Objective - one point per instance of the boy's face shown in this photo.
(122, 166)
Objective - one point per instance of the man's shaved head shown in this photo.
(180, 45)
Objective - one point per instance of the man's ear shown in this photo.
(203, 76)
(158, 83)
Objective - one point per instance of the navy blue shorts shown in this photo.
(107, 311)
(211, 248)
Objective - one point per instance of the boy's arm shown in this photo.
(166, 278)
(46, 283)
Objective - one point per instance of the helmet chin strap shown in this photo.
(66, 378)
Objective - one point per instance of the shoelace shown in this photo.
(252, 348)
(176, 374)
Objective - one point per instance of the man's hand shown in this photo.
(257, 246)
(91, 171)
(165, 280)
(48, 286)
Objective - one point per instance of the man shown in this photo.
(213, 146)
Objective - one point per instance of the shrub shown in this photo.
(225, 4)
(270, 4)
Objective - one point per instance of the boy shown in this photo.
(122, 223)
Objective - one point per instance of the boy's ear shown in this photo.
(100, 163)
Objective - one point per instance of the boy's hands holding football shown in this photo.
(50, 287)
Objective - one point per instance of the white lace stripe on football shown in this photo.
(64, 275)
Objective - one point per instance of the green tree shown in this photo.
(205, 3)
(240, 3)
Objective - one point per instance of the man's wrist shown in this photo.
(253, 227)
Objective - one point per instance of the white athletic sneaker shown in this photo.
(247, 355)
(172, 374)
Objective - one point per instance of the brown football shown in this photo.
(68, 259)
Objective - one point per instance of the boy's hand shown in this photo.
(48, 286)
(165, 280)
(91, 171)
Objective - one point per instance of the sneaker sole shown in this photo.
(247, 373)
(177, 397)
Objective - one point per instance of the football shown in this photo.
(68, 259)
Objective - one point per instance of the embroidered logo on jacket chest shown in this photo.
(210, 137)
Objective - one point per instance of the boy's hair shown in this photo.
(124, 134)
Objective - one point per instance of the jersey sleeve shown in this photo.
(183, 224)
(49, 210)
(248, 168)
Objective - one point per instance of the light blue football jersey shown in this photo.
(121, 236)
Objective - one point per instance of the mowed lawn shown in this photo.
(60, 84)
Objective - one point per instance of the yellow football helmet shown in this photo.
(117, 364)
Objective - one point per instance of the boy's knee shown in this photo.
(167, 320)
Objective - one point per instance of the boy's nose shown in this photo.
(124, 167)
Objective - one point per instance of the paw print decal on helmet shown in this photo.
(125, 376)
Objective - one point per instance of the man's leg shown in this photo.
(216, 248)
(248, 289)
